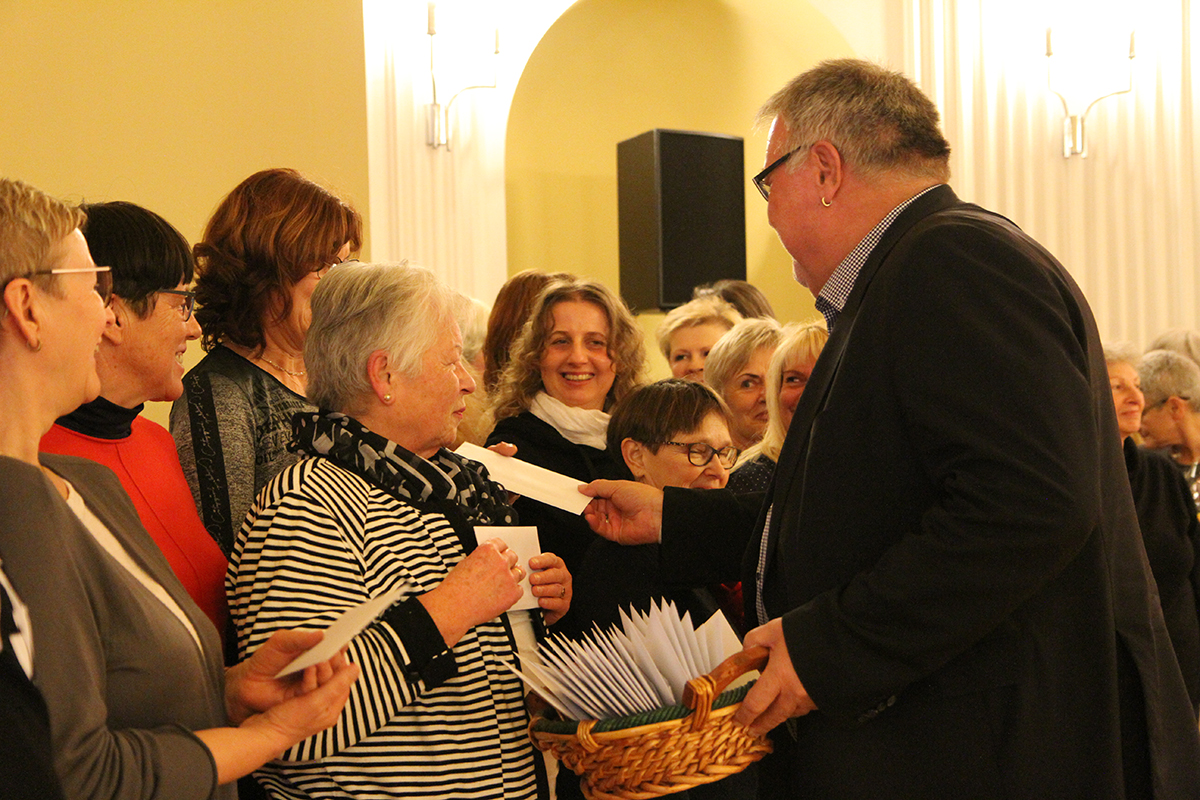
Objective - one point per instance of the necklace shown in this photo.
(266, 360)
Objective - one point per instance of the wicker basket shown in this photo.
(664, 751)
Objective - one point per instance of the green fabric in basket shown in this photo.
(568, 726)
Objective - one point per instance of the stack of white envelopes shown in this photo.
(640, 667)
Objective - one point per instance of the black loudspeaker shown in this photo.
(681, 203)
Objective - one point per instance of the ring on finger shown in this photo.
(562, 592)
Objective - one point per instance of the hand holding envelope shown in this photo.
(547, 583)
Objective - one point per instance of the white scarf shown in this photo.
(583, 426)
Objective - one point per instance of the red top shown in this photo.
(148, 466)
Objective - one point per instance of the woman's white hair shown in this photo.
(358, 309)
(1165, 374)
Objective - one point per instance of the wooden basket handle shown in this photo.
(700, 692)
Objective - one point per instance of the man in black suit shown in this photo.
(947, 569)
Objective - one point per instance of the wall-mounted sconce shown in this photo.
(468, 52)
(1084, 67)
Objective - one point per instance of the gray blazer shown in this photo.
(123, 680)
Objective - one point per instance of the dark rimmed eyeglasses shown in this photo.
(104, 282)
(189, 301)
(323, 270)
(760, 180)
(700, 453)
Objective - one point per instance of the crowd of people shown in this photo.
(976, 573)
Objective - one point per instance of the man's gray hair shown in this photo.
(360, 308)
(878, 119)
(1165, 374)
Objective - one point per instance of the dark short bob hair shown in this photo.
(145, 252)
(273, 229)
(660, 411)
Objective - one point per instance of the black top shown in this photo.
(26, 756)
(1171, 533)
(564, 534)
(753, 476)
(101, 419)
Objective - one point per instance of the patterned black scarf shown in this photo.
(443, 478)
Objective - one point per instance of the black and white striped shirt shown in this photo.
(321, 539)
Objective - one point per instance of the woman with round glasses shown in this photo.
(674, 432)
(263, 252)
(139, 361)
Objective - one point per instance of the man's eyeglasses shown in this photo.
(700, 453)
(104, 282)
(760, 180)
(189, 301)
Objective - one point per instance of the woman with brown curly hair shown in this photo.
(579, 353)
(264, 250)
(512, 307)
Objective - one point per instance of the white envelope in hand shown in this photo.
(345, 628)
(522, 540)
(527, 480)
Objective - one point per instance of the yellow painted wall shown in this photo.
(171, 104)
(612, 69)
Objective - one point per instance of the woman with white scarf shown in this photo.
(579, 353)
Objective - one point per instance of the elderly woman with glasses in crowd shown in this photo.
(672, 432)
(264, 250)
(128, 665)
(138, 362)
(378, 504)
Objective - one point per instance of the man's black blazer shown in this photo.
(952, 544)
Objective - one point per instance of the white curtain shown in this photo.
(1123, 219)
(443, 208)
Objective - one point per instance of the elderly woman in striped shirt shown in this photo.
(379, 503)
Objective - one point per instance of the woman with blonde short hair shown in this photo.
(129, 666)
(788, 374)
(737, 370)
(688, 333)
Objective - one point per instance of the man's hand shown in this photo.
(624, 511)
(778, 694)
